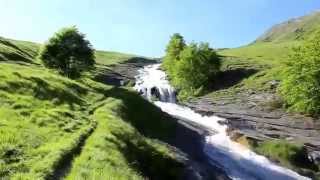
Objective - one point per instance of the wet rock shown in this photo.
(123, 73)
(155, 93)
(246, 113)
(314, 157)
(234, 135)
(274, 84)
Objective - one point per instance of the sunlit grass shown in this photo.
(44, 117)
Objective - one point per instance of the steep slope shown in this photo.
(25, 51)
(275, 44)
(267, 54)
(293, 29)
(47, 121)
(17, 50)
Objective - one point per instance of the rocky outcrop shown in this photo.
(122, 73)
(259, 116)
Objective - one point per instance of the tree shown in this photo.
(198, 65)
(174, 47)
(300, 87)
(190, 67)
(69, 52)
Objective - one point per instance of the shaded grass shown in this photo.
(117, 150)
(289, 155)
(44, 117)
(266, 59)
(41, 124)
(17, 50)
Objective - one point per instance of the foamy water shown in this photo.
(238, 162)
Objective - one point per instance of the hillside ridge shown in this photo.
(297, 28)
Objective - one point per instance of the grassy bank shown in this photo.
(256, 64)
(293, 156)
(118, 150)
(48, 120)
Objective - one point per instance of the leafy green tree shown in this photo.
(69, 52)
(198, 65)
(190, 67)
(174, 47)
(300, 87)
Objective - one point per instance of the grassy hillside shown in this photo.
(266, 56)
(24, 51)
(54, 127)
(17, 50)
(293, 29)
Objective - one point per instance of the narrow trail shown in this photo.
(65, 164)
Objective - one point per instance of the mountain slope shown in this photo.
(275, 44)
(47, 121)
(293, 29)
(25, 51)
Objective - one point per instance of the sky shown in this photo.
(144, 27)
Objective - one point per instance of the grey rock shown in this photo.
(248, 114)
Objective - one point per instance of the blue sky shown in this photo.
(144, 26)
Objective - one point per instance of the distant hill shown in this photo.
(293, 29)
(268, 52)
(275, 44)
(14, 50)
(25, 51)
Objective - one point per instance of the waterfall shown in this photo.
(239, 162)
(151, 83)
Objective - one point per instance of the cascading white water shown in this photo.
(152, 82)
(238, 162)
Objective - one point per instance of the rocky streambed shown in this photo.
(247, 113)
(253, 116)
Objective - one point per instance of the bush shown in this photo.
(190, 67)
(68, 51)
(300, 87)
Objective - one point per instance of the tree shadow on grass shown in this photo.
(153, 123)
(150, 122)
(147, 159)
(42, 90)
(18, 55)
(148, 119)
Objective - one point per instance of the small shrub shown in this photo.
(68, 51)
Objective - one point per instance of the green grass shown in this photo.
(117, 150)
(109, 58)
(294, 29)
(25, 51)
(289, 155)
(266, 54)
(45, 118)
(267, 59)
(17, 50)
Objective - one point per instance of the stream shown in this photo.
(238, 162)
